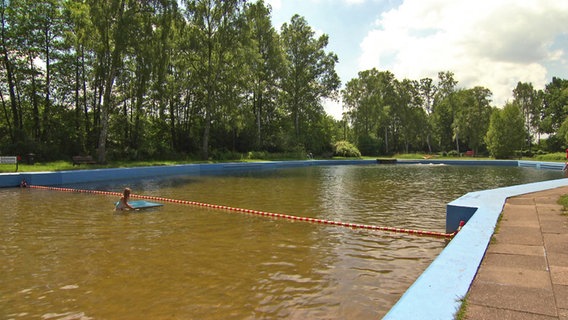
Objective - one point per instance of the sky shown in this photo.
(489, 43)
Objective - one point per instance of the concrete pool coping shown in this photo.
(438, 291)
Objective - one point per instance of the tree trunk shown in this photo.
(206, 133)
(47, 108)
(386, 141)
(78, 100)
(257, 101)
(7, 116)
(458, 143)
(37, 124)
(11, 82)
(107, 100)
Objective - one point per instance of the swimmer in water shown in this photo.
(122, 204)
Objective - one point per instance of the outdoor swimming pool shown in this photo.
(69, 255)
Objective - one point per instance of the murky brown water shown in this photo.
(69, 256)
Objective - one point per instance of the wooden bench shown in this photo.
(469, 153)
(9, 160)
(78, 160)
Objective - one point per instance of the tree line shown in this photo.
(168, 79)
(389, 115)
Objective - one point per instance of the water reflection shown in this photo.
(66, 255)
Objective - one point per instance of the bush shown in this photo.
(557, 156)
(453, 153)
(346, 149)
(257, 155)
(526, 153)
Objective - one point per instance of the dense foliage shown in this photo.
(172, 79)
(506, 133)
(388, 115)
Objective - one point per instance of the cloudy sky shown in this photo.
(490, 43)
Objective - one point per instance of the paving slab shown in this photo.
(521, 200)
(515, 277)
(553, 226)
(517, 261)
(556, 242)
(531, 236)
(561, 294)
(559, 275)
(489, 313)
(519, 249)
(531, 300)
(552, 207)
(557, 259)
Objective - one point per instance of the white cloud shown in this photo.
(354, 2)
(490, 43)
(275, 4)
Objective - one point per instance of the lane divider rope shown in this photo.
(259, 213)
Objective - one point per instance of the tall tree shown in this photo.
(528, 100)
(410, 115)
(27, 71)
(6, 47)
(369, 100)
(170, 62)
(79, 39)
(214, 44)
(361, 100)
(113, 31)
(445, 109)
(309, 76)
(428, 91)
(555, 106)
(506, 131)
(473, 115)
(266, 61)
(50, 25)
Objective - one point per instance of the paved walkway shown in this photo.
(524, 274)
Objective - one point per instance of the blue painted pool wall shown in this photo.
(508, 163)
(455, 213)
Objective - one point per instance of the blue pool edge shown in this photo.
(438, 291)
